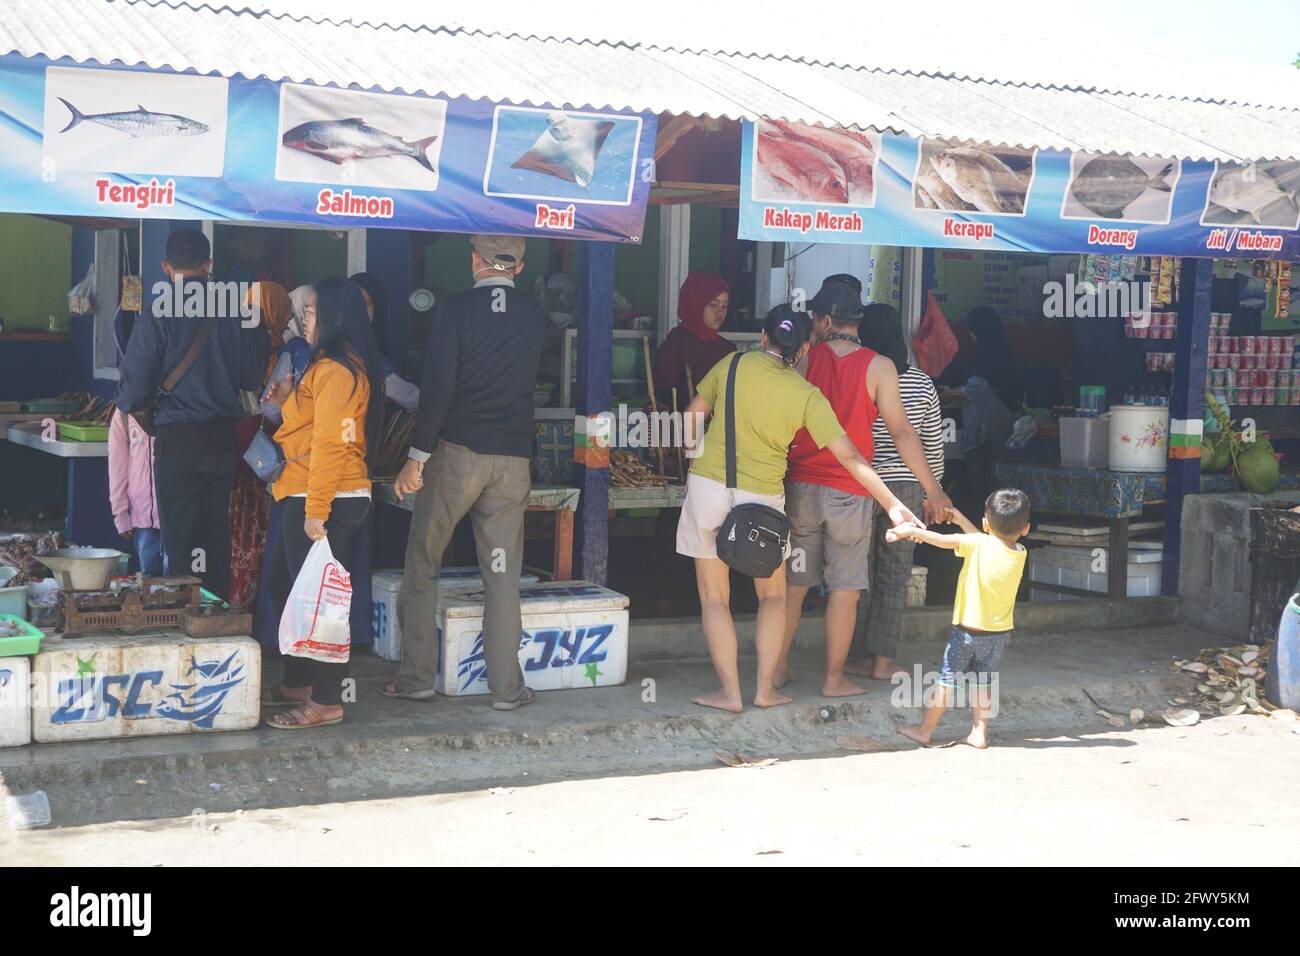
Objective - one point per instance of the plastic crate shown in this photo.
(82, 431)
(26, 642)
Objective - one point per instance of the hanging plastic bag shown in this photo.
(934, 342)
(81, 297)
(315, 619)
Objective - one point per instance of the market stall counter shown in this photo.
(560, 500)
(1113, 496)
(90, 520)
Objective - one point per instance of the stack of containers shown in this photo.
(1254, 369)
(1153, 325)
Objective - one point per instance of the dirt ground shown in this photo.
(1212, 794)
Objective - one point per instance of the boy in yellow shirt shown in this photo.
(982, 612)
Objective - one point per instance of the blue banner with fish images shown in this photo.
(803, 183)
(104, 141)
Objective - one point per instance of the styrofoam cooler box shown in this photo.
(93, 687)
(15, 706)
(1073, 567)
(384, 586)
(575, 635)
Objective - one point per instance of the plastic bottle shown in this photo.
(1282, 681)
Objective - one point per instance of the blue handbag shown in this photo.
(265, 457)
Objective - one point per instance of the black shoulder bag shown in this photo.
(753, 537)
(144, 416)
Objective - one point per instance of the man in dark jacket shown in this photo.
(195, 452)
(474, 435)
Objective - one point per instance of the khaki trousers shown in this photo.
(493, 491)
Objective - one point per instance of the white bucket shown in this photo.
(1139, 437)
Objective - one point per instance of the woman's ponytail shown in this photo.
(787, 331)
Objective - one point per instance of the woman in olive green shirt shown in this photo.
(773, 401)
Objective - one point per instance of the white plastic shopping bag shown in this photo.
(315, 619)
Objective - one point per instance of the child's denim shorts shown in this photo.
(977, 655)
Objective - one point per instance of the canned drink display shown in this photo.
(1257, 396)
(1269, 379)
(1230, 395)
(1246, 344)
(1267, 396)
(1229, 376)
(1167, 332)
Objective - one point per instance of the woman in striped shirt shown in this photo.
(880, 614)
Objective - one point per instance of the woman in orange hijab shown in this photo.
(249, 498)
(694, 346)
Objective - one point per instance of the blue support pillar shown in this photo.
(388, 257)
(1186, 408)
(591, 441)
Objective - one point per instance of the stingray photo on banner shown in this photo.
(562, 155)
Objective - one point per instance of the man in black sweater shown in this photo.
(195, 450)
(474, 437)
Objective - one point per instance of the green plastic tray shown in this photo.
(82, 431)
(26, 643)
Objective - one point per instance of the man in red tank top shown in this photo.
(830, 514)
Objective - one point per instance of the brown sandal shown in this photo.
(303, 717)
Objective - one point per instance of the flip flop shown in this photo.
(274, 697)
(425, 694)
(528, 698)
(306, 724)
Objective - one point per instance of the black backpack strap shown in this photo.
(731, 420)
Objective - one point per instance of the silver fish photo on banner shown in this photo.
(1265, 195)
(953, 176)
(119, 121)
(1124, 188)
(358, 138)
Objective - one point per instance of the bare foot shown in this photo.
(884, 669)
(782, 677)
(913, 732)
(977, 739)
(722, 701)
(770, 698)
(862, 668)
(841, 688)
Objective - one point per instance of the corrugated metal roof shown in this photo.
(577, 74)
(1062, 46)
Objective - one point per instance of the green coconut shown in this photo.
(1258, 469)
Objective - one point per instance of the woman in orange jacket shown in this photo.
(330, 427)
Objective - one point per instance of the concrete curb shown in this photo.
(292, 770)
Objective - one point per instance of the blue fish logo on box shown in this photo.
(202, 701)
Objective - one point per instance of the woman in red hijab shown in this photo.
(694, 346)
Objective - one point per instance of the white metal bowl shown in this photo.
(81, 569)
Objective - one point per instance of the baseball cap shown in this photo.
(847, 280)
(838, 300)
(502, 253)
